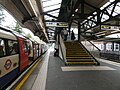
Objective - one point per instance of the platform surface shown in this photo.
(52, 74)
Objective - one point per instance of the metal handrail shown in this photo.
(94, 50)
(63, 48)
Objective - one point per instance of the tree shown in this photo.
(29, 36)
(18, 28)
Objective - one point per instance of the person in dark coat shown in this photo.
(72, 35)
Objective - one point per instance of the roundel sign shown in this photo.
(8, 64)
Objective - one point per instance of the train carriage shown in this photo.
(9, 57)
(16, 54)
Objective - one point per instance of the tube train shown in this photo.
(16, 54)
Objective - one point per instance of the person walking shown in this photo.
(72, 35)
(65, 35)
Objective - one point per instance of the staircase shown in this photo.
(77, 54)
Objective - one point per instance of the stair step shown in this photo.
(82, 53)
(75, 50)
(81, 63)
(74, 53)
(78, 54)
(80, 60)
(78, 57)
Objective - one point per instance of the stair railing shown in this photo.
(63, 48)
(94, 50)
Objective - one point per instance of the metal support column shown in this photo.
(69, 29)
(79, 28)
(104, 46)
(112, 46)
(119, 46)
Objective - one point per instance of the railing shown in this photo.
(111, 55)
(95, 51)
(63, 48)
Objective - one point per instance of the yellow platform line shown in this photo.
(26, 76)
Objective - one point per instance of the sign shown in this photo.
(56, 24)
(108, 27)
(8, 64)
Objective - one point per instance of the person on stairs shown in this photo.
(72, 36)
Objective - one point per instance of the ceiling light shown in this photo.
(76, 10)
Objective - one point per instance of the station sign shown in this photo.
(56, 24)
(108, 27)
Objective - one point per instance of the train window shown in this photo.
(117, 46)
(29, 47)
(37, 46)
(2, 48)
(13, 47)
(25, 46)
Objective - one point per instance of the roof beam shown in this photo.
(52, 5)
(100, 15)
(51, 15)
(51, 29)
(75, 22)
(52, 10)
(82, 6)
(82, 15)
(91, 6)
(75, 7)
(46, 1)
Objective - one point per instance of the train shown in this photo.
(17, 53)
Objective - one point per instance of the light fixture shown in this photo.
(76, 10)
(72, 14)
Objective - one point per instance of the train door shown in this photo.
(39, 50)
(30, 52)
(23, 53)
(35, 51)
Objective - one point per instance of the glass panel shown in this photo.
(2, 48)
(105, 5)
(109, 9)
(93, 24)
(25, 46)
(114, 14)
(51, 5)
(104, 18)
(13, 47)
(117, 9)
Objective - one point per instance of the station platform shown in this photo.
(52, 74)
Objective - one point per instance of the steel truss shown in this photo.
(101, 16)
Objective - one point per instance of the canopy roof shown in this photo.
(88, 14)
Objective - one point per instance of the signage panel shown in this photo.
(56, 24)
